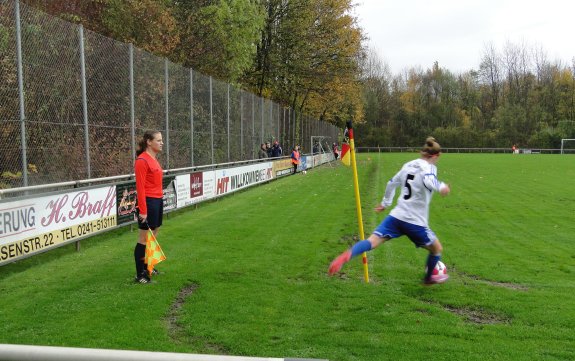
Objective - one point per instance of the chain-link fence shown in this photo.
(73, 104)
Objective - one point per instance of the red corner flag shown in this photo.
(345, 157)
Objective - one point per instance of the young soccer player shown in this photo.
(418, 179)
(149, 175)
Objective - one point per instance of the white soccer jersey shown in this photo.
(418, 180)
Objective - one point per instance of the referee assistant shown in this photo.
(149, 189)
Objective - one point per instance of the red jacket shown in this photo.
(149, 175)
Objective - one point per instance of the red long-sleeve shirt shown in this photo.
(149, 175)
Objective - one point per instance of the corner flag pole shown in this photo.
(357, 197)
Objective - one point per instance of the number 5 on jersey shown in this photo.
(410, 177)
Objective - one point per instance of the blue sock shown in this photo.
(360, 247)
(432, 260)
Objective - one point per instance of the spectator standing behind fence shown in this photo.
(269, 149)
(276, 150)
(263, 152)
(150, 204)
(335, 151)
(295, 158)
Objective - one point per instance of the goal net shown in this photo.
(567, 146)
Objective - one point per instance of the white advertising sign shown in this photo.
(233, 179)
(195, 187)
(29, 226)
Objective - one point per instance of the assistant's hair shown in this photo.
(431, 147)
(143, 143)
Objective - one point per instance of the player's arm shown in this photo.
(389, 192)
(431, 182)
(141, 169)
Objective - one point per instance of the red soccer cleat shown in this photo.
(337, 263)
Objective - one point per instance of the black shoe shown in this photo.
(154, 272)
(143, 278)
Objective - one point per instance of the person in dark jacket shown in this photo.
(276, 150)
(269, 149)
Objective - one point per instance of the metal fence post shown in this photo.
(211, 121)
(228, 122)
(192, 113)
(263, 129)
(294, 127)
(253, 125)
(21, 95)
(132, 108)
(166, 85)
(85, 102)
(242, 123)
(288, 139)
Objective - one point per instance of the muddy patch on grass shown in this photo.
(178, 333)
(513, 286)
(173, 312)
(471, 314)
(477, 316)
(348, 239)
(467, 277)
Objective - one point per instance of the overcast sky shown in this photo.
(407, 33)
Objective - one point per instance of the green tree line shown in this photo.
(517, 96)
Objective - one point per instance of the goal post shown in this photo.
(563, 141)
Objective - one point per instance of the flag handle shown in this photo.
(357, 198)
(152, 233)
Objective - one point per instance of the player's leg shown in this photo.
(139, 257)
(433, 257)
(155, 221)
(424, 237)
(365, 245)
(384, 232)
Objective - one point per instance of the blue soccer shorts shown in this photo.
(392, 227)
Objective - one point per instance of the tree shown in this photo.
(148, 24)
(308, 54)
(375, 80)
(218, 37)
(490, 76)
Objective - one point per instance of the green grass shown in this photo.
(246, 274)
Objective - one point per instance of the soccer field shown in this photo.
(247, 274)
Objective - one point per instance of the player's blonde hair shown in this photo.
(430, 148)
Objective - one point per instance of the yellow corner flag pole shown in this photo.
(357, 197)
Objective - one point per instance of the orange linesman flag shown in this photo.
(345, 157)
(154, 253)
